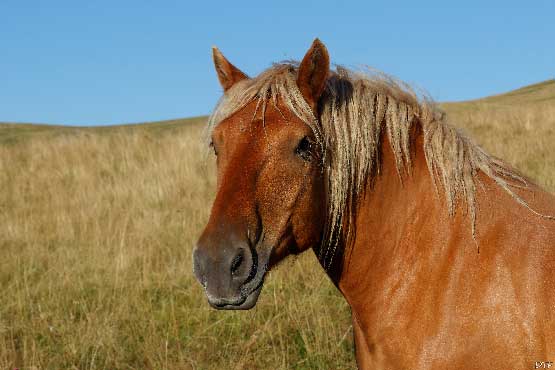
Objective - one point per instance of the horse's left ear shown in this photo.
(313, 73)
(228, 74)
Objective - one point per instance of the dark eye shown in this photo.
(213, 148)
(304, 148)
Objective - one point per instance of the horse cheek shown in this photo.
(308, 218)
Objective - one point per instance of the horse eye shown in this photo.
(304, 149)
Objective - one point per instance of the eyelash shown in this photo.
(213, 148)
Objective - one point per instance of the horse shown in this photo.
(445, 253)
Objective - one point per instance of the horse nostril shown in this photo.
(236, 263)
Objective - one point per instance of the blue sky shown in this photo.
(110, 62)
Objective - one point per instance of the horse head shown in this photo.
(270, 190)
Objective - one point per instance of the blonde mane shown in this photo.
(357, 109)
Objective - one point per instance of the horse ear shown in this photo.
(228, 74)
(313, 73)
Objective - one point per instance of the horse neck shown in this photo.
(395, 224)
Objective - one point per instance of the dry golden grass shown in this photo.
(96, 232)
(518, 126)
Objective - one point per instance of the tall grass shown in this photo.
(96, 238)
(96, 233)
(521, 134)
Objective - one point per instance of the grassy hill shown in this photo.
(96, 232)
(518, 126)
(531, 94)
(14, 132)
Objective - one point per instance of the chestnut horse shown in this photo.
(445, 254)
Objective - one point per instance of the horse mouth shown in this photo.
(245, 301)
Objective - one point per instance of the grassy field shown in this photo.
(96, 232)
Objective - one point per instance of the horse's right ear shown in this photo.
(228, 74)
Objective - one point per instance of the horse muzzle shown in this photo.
(232, 275)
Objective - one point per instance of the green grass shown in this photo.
(96, 231)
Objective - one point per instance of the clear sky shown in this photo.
(109, 62)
